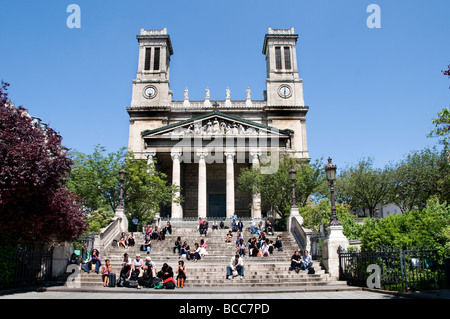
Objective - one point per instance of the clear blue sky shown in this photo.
(371, 92)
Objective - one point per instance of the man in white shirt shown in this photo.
(236, 264)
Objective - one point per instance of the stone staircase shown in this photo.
(210, 271)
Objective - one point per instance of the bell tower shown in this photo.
(284, 87)
(151, 87)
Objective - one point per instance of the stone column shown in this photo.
(177, 210)
(256, 205)
(230, 183)
(202, 193)
(150, 155)
(330, 257)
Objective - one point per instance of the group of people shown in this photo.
(183, 249)
(301, 261)
(144, 273)
(258, 229)
(158, 233)
(255, 247)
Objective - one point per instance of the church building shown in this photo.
(203, 145)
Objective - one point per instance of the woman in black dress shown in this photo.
(181, 270)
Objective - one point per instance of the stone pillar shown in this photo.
(230, 183)
(256, 205)
(330, 257)
(177, 210)
(202, 193)
(150, 155)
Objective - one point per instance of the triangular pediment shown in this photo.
(215, 124)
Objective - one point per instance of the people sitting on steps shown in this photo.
(126, 264)
(106, 272)
(123, 240)
(147, 244)
(184, 249)
(177, 245)
(131, 240)
(166, 275)
(149, 273)
(278, 243)
(306, 261)
(236, 267)
(296, 262)
(181, 274)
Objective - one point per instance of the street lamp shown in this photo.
(293, 177)
(122, 174)
(330, 170)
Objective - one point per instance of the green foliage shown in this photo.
(146, 189)
(6, 265)
(442, 127)
(95, 179)
(99, 218)
(428, 227)
(316, 214)
(362, 186)
(276, 189)
(418, 176)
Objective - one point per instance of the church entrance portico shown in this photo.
(202, 146)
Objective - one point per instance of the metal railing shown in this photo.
(400, 269)
(26, 268)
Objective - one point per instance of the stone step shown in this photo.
(210, 271)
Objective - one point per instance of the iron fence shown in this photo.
(25, 268)
(400, 269)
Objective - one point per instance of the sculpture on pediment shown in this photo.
(215, 127)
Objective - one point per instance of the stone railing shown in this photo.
(178, 105)
(301, 234)
(105, 237)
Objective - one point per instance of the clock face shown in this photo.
(150, 92)
(285, 91)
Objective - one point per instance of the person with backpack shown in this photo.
(166, 275)
(149, 269)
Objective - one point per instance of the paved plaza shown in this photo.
(354, 294)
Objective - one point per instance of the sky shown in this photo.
(371, 92)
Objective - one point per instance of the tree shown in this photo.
(95, 179)
(442, 127)
(146, 189)
(276, 189)
(420, 175)
(362, 186)
(427, 227)
(34, 201)
(317, 214)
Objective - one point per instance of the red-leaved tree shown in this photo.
(34, 202)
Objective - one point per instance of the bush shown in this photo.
(425, 228)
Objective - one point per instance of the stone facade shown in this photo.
(203, 145)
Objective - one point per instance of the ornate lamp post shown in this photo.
(330, 170)
(122, 174)
(293, 177)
